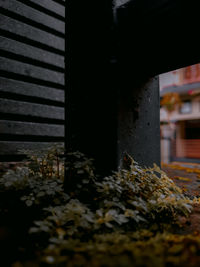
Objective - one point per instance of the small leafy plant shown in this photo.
(82, 215)
(40, 181)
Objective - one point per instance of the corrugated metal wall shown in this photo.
(32, 82)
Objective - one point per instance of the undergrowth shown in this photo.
(126, 219)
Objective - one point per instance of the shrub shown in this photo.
(82, 215)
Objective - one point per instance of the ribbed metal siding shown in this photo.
(32, 82)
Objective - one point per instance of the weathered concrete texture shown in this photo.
(91, 94)
(33, 15)
(32, 78)
(14, 107)
(138, 124)
(108, 111)
(23, 30)
(33, 53)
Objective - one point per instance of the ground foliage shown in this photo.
(187, 169)
(125, 219)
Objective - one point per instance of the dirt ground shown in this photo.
(187, 176)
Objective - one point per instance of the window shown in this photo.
(186, 107)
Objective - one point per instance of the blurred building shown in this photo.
(180, 129)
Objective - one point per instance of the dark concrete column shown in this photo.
(107, 112)
(139, 123)
(91, 93)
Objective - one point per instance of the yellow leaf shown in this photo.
(182, 178)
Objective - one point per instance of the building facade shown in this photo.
(180, 129)
(32, 76)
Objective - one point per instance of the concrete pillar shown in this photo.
(139, 123)
(106, 112)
